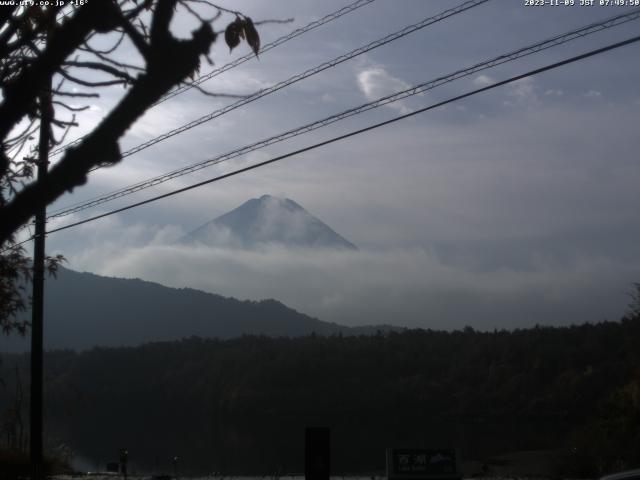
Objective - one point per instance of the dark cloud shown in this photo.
(515, 207)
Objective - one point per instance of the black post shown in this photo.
(175, 466)
(124, 459)
(317, 453)
(37, 308)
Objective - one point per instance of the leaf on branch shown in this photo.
(242, 29)
(233, 33)
(52, 264)
(252, 36)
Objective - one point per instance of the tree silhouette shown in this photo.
(56, 43)
(634, 305)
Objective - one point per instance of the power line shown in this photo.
(370, 46)
(307, 73)
(342, 137)
(417, 89)
(360, 131)
(327, 18)
(239, 61)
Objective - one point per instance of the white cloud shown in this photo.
(376, 82)
(328, 98)
(403, 287)
(168, 116)
(522, 229)
(489, 192)
(239, 82)
(522, 93)
(593, 94)
(483, 80)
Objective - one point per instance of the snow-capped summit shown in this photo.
(268, 220)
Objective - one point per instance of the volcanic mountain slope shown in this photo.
(268, 221)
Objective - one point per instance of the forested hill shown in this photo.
(86, 310)
(241, 405)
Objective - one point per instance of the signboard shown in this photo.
(414, 463)
(317, 454)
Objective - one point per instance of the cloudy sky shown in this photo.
(514, 207)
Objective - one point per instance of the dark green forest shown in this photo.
(241, 405)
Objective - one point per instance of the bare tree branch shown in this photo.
(138, 40)
(24, 88)
(70, 108)
(88, 83)
(63, 93)
(167, 66)
(108, 51)
(102, 67)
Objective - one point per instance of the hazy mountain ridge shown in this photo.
(84, 310)
(268, 220)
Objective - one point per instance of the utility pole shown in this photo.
(37, 308)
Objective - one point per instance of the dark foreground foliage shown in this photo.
(240, 406)
(14, 465)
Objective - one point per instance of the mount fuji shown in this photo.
(268, 221)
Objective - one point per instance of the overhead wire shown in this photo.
(414, 90)
(285, 38)
(303, 75)
(494, 85)
(240, 60)
(370, 46)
